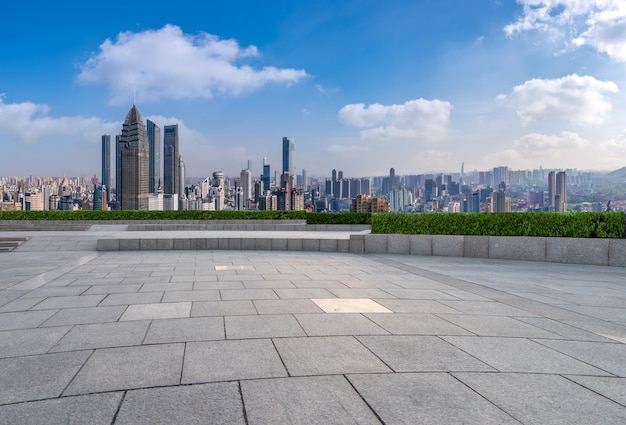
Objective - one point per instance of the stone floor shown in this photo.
(267, 337)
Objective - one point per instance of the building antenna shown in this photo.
(134, 90)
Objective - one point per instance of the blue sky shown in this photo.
(362, 86)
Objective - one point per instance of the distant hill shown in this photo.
(617, 174)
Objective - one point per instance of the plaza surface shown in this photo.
(279, 337)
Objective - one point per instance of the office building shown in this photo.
(106, 160)
(134, 162)
(171, 172)
(265, 177)
(551, 190)
(560, 198)
(289, 156)
(246, 184)
(154, 147)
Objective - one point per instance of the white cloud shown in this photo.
(419, 119)
(346, 148)
(168, 64)
(600, 24)
(580, 100)
(30, 123)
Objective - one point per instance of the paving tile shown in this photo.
(327, 356)
(496, 326)
(95, 409)
(415, 306)
(112, 369)
(184, 330)
(521, 355)
(157, 311)
(359, 293)
(426, 398)
(113, 289)
(102, 335)
(167, 286)
(69, 302)
(289, 306)
(213, 361)
(271, 284)
(309, 283)
(350, 305)
(19, 304)
(303, 293)
(134, 298)
(338, 324)
(24, 319)
(492, 308)
(38, 377)
(610, 357)
(564, 330)
(544, 399)
(267, 326)
(77, 316)
(611, 388)
(176, 296)
(421, 354)
(218, 403)
(25, 342)
(305, 400)
(222, 308)
(248, 294)
(415, 324)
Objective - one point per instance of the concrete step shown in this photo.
(8, 244)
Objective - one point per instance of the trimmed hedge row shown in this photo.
(574, 225)
(339, 218)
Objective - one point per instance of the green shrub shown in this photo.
(339, 218)
(153, 215)
(575, 225)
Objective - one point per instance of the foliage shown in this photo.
(153, 215)
(339, 218)
(575, 225)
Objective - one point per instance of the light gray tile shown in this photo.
(426, 398)
(213, 361)
(112, 369)
(544, 399)
(327, 356)
(305, 400)
(184, 330)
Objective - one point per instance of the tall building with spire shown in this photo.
(154, 146)
(171, 170)
(134, 154)
(289, 156)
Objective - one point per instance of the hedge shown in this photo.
(574, 225)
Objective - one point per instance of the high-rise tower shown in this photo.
(289, 156)
(154, 144)
(171, 173)
(552, 190)
(133, 153)
(560, 200)
(106, 161)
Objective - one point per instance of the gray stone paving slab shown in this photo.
(563, 330)
(113, 289)
(231, 360)
(25, 342)
(211, 286)
(166, 286)
(77, 316)
(248, 294)
(496, 326)
(102, 335)
(266, 326)
(56, 291)
(416, 324)
(610, 357)
(487, 308)
(360, 293)
(218, 403)
(24, 319)
(289, 306)
(286, 293)
(422, 354)
(305, 400)
(19, 304)
(69, 302)
(611, 388)
(134, 298)
(222, 308)
(265, 284)
(415, 306)
(544, 399)
(521, 355)
(338, 324)
(327, 356)
(426, 398)
(198, 295)
(157, 311)
(94, 409)
(184, 330)
(112, 369)
(38, 377)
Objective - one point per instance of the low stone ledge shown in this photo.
(617, 252)
(476, 246)
(108, 245)
(448, 245)
(523, 248)
(578, 251)
(399, 244)
(421, 245)
(375, 244)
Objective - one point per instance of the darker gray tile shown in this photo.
(222, 308)
(134, 298)
(218, 403)
(426, 398)
(415, 324)
(69, 302)
(286, 306)
(78, 316)
(338, 324)
(24, 342)
(611, 388)
(267, 326)
(213, 361)
(24, 319)
(305, 400)
(184, 330)
(102, 335)
(112, 369)
(606, 356)
(496, 326)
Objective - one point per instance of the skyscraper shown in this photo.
(289, 156)
(171, 173)
(246, 184)
(560, 200)
(118, 171)
(154, 144)
(106, 160)
(265, 178)
(134, 162)
(552, 190)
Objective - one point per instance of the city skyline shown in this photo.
(363, 86)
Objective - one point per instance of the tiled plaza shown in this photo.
(279, 337)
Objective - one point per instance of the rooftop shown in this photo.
(260, 337)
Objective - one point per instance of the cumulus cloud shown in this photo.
(168, 64)
(580, 100)
(419, 119)
(30, 123)
(600, 24)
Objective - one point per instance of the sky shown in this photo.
(360, 85)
